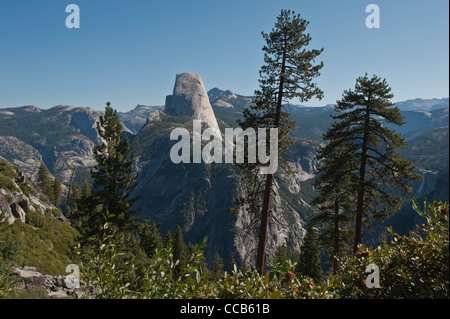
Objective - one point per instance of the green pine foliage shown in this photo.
(180, 250)
(44, 181)
(56, 192)
(375, 173)
(309, 261)
(113, 177)
(51, 188)
(334, 201)
(80, 207)
(288, 72)
(217, 270)
(150, 238)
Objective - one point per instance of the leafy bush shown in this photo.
(26, 190)
(7, 170)
(104, 279)
(7, 283)
(414, 266)
(35, 218)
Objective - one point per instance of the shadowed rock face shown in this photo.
(190, 98)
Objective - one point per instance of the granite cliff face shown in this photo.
(197, 197)
(135, 119)
(190, 98)
(62, 137)
(20, 197)
(36, 231)
(21, 154)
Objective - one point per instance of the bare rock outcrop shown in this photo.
(54, 285)
(190, 98)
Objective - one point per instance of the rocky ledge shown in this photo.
(54, 285)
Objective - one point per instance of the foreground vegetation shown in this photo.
(414, 266)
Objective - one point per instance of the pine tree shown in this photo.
(309, 262)
(56, 192)
(288, 73)
(281, 255)
(381, 173)
(150, 239)
(217, 268)
(334, 200)
(69, 200)
(76, 215)
(180, 251)
(113, 177)
(86, 190)
(82, 208)
(44, 181)
(168, 240)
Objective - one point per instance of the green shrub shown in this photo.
(35, 218)
(162, 279)
(7, 282)
(414, 266)
(29, 293)
(7, 170)
(7, 183)
(26, 190)
(46, 242)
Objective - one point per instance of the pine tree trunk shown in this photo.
(361, 183)
(262, 237)
(336, 236)
(69, 190)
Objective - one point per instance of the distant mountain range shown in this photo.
(196, 197)
(422, 104)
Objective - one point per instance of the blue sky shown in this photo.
(128, 52)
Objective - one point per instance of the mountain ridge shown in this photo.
(63, 138)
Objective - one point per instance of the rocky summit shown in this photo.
(190, 98)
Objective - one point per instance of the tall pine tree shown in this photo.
(288, 73)
(150, 238)
(82, 207)
(380, 173)
(217, 268)
(56, 192)
(335, 200)
(180, 250)
(44, 181)
(113, 177)
(309, 262)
